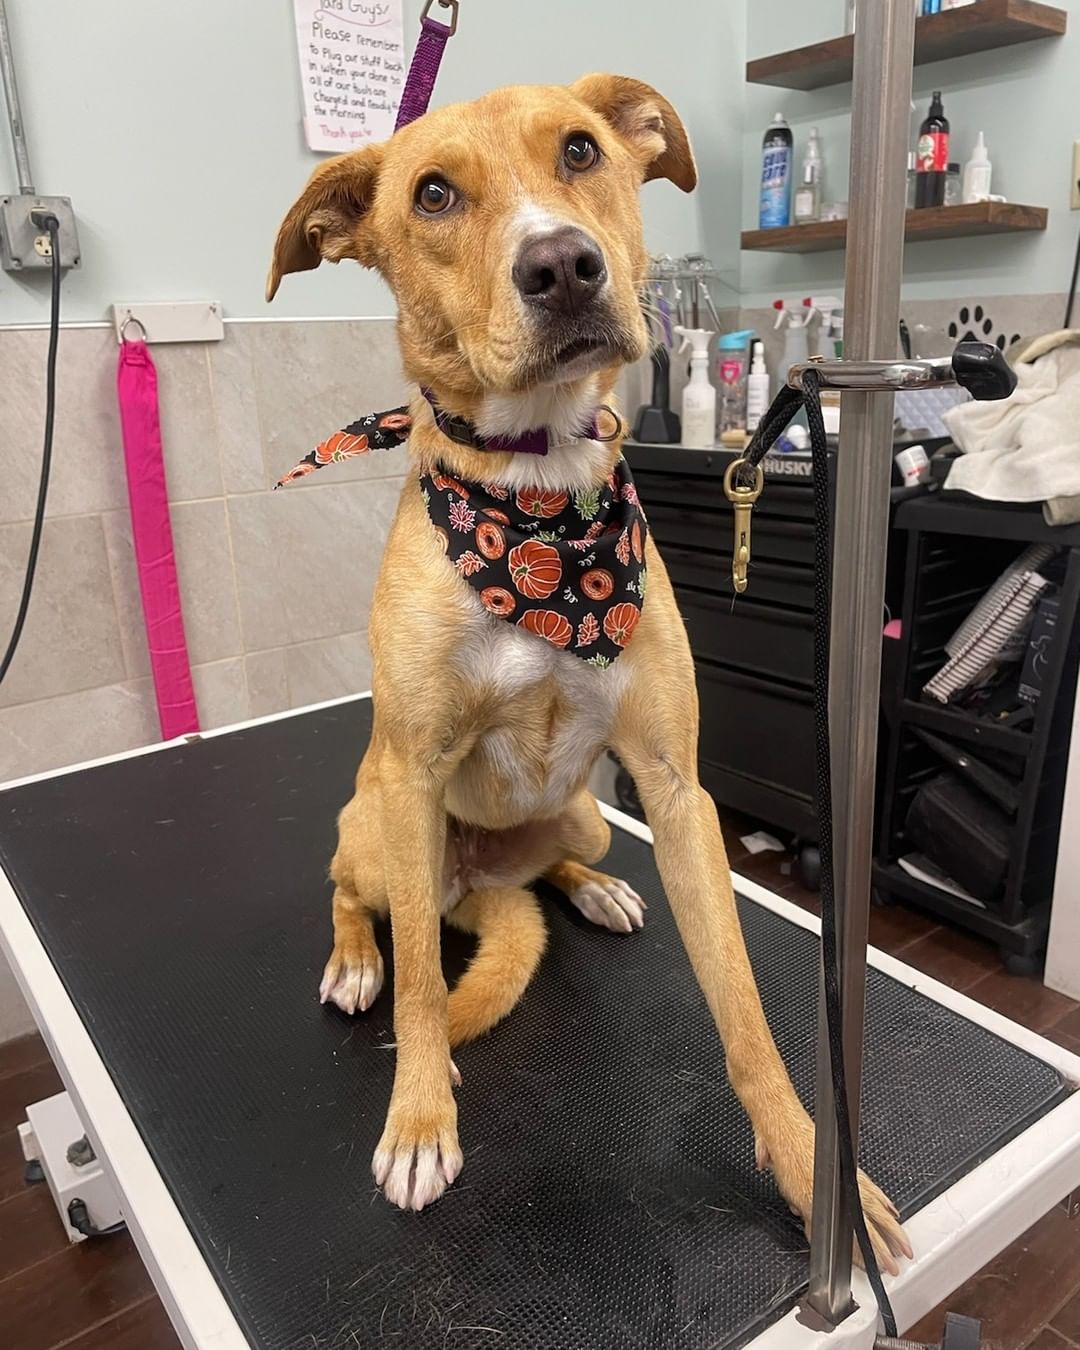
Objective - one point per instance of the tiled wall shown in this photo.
(275, 585)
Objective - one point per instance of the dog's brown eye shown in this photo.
(581, 152)
(435, 195)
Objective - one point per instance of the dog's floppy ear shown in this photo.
(326, 220)
(646, 121)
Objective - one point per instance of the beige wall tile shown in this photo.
(232, 379)
(54, 732)
(71, 639)
(188, 426)
(88, 463)
(207, 588)
(221, 693)
(1027, 315)
(314, 378)
(306, 561)
(268, 686)
(330, 668)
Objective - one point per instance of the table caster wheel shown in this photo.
(809, 865)
(1017, 964)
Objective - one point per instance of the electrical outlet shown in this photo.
(24, 246)
(1074, 185)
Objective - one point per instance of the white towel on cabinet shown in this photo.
(1025, 448)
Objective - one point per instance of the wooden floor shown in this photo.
(97, 1295)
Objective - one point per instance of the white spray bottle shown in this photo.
(699, 396)
(796, 349)
(826, 306)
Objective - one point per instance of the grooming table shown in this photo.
(167, 915)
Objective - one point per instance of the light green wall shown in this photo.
(1024, 98)
(175, 130)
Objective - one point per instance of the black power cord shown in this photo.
(44, 220)
(1072, 284)
(783, 408)
(80, 1220)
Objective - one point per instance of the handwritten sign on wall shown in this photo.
(352, 68)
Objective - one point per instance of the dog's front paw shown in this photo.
(609, 902)
(418, 1155)
(792, 1164)
(353, 977)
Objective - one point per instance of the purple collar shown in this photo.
(535, 442)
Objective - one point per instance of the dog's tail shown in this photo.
(510, 925)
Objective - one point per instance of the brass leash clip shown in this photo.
(742, 501)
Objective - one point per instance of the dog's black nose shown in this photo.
(562, 272)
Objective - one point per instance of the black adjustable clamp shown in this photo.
(961, 1333)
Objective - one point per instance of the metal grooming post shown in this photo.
(14, 112)
(880, 105)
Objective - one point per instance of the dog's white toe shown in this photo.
(351, 984)
(610, 903)
(412, 1177)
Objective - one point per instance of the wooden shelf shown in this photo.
(938, 37)
(934, 222)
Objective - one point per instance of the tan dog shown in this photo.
(510, 232)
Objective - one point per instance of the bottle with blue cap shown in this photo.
(732, 361)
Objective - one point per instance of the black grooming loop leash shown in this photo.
(743, 483)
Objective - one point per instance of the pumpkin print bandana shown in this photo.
(376, 431)
(568, 567)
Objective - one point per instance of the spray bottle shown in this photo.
(808, 193)
(830, 307)
(699, 397)
(826, 306)
(796, 349)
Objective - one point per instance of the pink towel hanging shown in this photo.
(136, 385)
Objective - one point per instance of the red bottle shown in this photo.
(932, 156)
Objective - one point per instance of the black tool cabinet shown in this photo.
(957, 546)
(754, 652)
(754, 659)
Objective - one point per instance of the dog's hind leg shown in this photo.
(585, 837)
(354, 973)
(510, 927)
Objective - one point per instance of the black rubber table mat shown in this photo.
(609, 1197)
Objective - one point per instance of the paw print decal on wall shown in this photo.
(962, 328)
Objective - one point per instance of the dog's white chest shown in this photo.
(554, 711)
